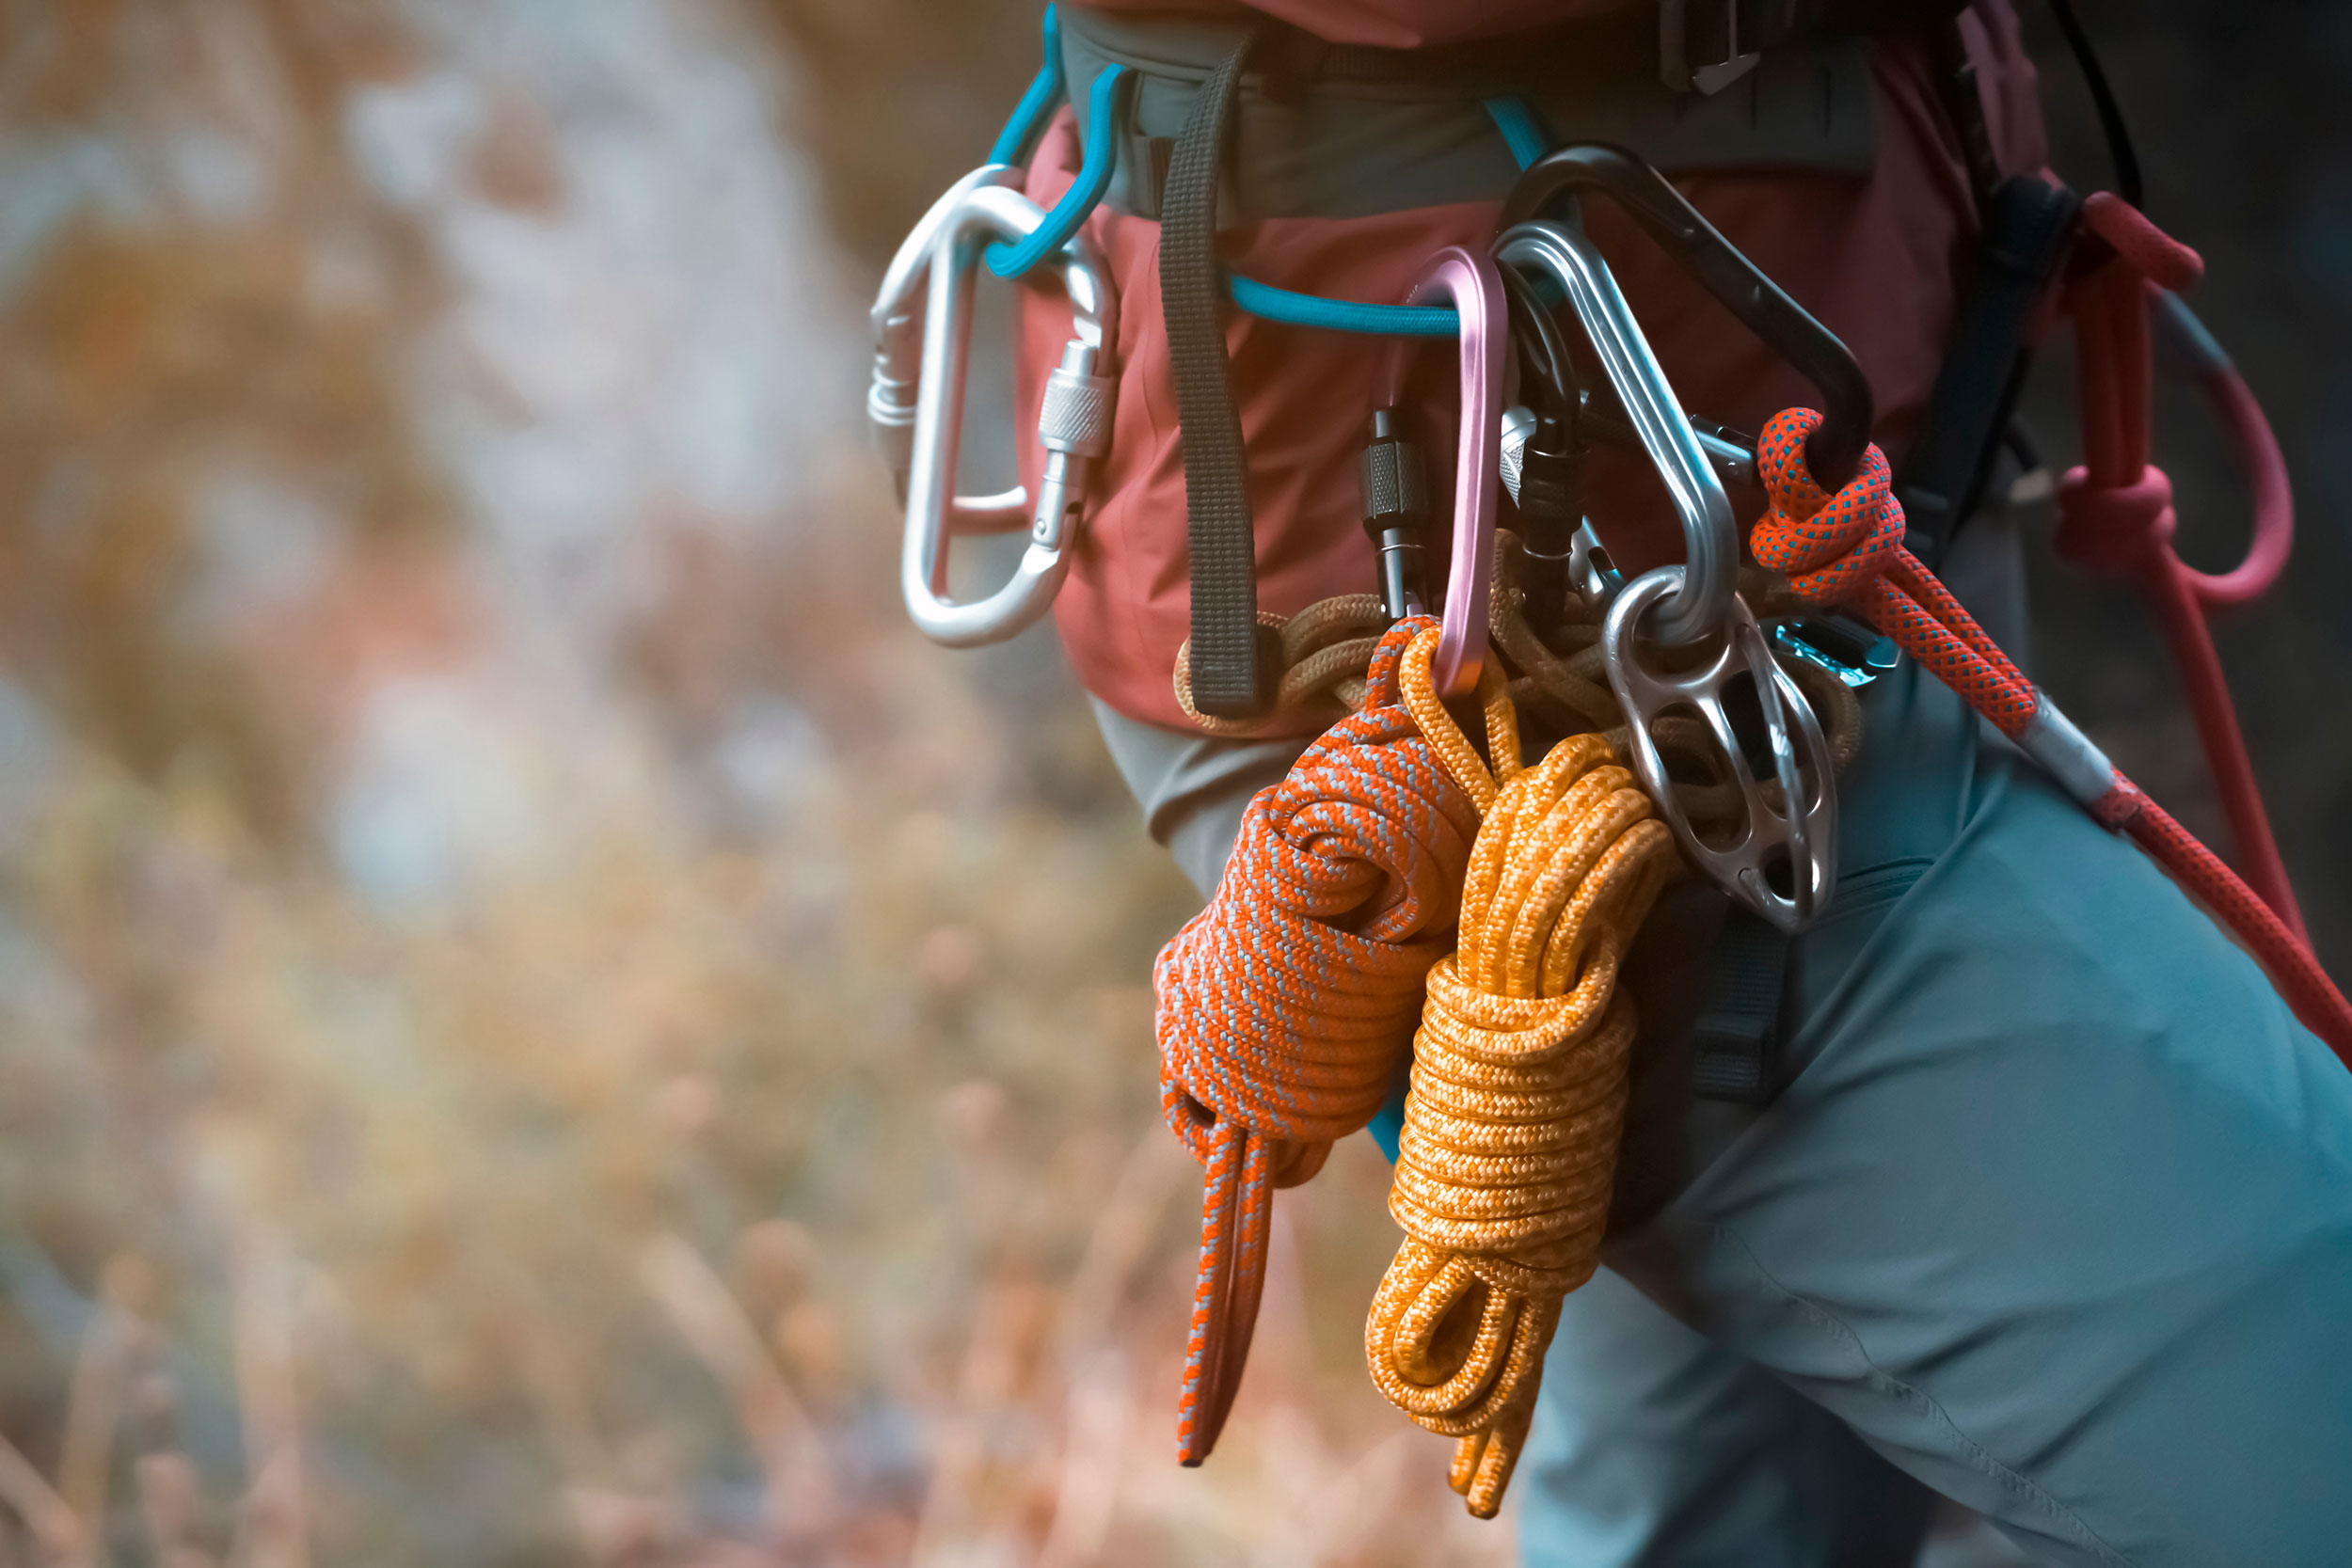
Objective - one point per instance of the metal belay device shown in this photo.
(923, 344)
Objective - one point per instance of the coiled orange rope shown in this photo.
(1285, 1006)
(1519, 1087)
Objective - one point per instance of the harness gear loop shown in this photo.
(1285, 1005)
(1516, 1103)
(1847, 548)
(2114, 511)
(1228, 680)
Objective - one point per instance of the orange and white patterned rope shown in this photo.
(1518, 1091)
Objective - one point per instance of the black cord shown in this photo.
(2119, 136)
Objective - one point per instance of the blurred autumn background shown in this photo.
(538, 1022)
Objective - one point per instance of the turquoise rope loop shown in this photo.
(1269, 303)
(1044, 96)
(1521, 131)
(1109, 105)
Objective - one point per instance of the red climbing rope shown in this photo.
(2115, 512)
(1285, 1006)
(1848, 548)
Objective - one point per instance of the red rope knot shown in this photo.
(1832, 547)
(2115, 528)
(1285, 1006)
(1848, 548)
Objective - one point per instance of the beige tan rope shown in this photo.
(1325, 650)
(1326, 646)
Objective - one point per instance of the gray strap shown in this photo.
(1228, 671)
(1737, 1039)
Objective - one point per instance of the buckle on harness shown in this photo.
(1073, 424)
(1677, 65)
(1852, 651)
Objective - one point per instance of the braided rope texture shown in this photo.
(1517, 1100)
(1325, 651)
(1285, 1006)
(1848, 548)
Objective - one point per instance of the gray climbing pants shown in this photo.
(2049, 1208)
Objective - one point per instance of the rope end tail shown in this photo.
(1236, 1212)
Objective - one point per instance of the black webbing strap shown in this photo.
(1734, 1047)
(1228, 672)
(1625, 40)
(2028, 226)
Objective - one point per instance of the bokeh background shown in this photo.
(538, 1022)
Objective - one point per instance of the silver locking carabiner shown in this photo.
(897, 322)
(1073, 423)
(1798, 837)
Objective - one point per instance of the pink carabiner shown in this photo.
(1475, 290)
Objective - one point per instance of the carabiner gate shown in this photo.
(1699, 612)
(1073, 423)
(1474, 288)
(897, 322)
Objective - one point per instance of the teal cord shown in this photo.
(1341, 315)
(1044, 95)
(1109, 104)
(1108, 107)
(1525, 135)
(1521, 131)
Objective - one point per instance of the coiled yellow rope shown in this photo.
(1519, 1086)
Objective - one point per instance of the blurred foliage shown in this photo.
(897, 98)
(593, 1047)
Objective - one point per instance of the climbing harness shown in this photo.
(1074, 423)
(1410, 893)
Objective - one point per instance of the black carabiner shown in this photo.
(1834, 450)
(1550, 495)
